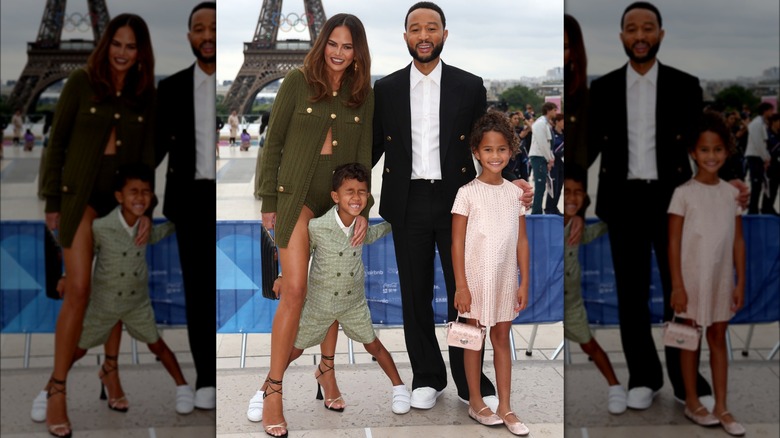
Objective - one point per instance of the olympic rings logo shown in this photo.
(76, 21)
(292, 21)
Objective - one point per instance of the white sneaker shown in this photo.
(490, 400)
(640, 397)
(402, 399)
(255, 410)
(38, 412)
(616, 402)
(425, 397)
(206, 398)
(707, 401)
(185, 399)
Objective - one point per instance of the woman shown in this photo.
(233, 122)
(103, 120)
(321, 119)
(575, 83)
(575, 62)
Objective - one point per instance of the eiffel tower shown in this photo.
(265, 58)
(51, 59)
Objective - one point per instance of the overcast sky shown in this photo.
(711, 39)
(495, 39)
(167, 21)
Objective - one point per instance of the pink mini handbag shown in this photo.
(464, 335)
(684, 336)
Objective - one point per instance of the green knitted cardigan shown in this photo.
(296, 132)
(79, 134)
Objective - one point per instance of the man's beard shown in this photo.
(201, 58)
(434, 53)
(641, 60)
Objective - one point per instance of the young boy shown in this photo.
(575, 321)
(336, 284)
(120, 282)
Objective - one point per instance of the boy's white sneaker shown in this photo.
(185, 399)
(616, 403)
(402, 399)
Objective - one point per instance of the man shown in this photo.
(424, 136)
(644, 156)
(773, 171)
(757, 155)
(184, 132)
(541, 155)
(529, 112)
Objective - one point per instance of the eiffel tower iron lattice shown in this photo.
(51, 59)
(267, 59)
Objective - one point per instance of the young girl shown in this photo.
(245, 139)
(29, 140)
(488, 231)
(705, 244)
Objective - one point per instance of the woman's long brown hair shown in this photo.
(315, 70)
(140, 78)
(575, 74)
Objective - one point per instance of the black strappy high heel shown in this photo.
(329, 402)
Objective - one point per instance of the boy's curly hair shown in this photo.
(350, 171)
(498, 122)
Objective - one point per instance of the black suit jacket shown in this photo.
(678, 108)
(175, 136)
(463, 101)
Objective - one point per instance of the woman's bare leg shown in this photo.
(110, 369)
(330, 387)
(78, 267)
(295, 266)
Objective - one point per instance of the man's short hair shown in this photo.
(426, 5)
(199, 6)
(642, 5)
(547, 107)
(763, 107)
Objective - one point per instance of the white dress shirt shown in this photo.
(541, 139)
(424, 98)
(345, 228)
(204, 93)
(640, 105)
(129, 228)
(756, 141)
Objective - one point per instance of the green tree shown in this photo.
(519, 96)
(735, 96)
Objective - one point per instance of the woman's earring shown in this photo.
(139, 66)
(356, 67)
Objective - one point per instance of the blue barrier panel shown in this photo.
(241, 308)
(762, 289)
(240, 305)
(24, 307)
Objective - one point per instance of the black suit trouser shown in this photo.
(639, 225)
(428, 226)
(196, 236)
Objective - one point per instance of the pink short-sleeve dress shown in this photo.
(707, 248)
(493, 213)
